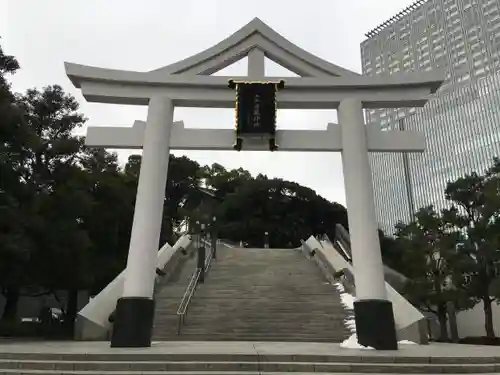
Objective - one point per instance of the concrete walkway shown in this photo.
(252, 348)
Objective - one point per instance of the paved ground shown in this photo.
(264, 348)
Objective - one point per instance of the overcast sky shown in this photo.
(148, 34)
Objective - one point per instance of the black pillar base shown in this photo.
(133, 326)
(375, 324)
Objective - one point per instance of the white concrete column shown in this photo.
(256, 64)
(144, 242)
(363, 229)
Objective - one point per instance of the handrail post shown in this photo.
(213, 238)
(201, 262)
(214, 247)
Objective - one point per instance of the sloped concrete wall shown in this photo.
(92, 322)
(410, 322)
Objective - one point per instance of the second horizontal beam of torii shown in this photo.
(183, 138)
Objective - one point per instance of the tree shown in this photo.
(288, 211)
(8, 65)
(183, 179)
(434, 259)
(14, 244)
(57, 192)
(475, 210)
(222, 181)
(109, 220)
(392, 252)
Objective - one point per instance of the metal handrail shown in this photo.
(208, 259)
(190, 289)
(186, 298)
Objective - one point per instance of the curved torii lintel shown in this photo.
(275, 47)
(186, 83)
(136, 88)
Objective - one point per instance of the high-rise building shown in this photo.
(461, 123)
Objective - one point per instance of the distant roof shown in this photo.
(207, 191)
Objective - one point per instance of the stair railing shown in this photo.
(190, 289)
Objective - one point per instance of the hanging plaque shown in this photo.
(255, 109)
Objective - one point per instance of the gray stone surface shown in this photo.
(432, 353)
(169, 292)
(241, 358)
(87, 330)
(263, 295)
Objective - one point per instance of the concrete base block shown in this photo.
(86, 330)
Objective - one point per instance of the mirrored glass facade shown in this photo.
(461, 122)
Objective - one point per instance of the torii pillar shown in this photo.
(373, 312)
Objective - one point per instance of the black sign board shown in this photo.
(256, 108)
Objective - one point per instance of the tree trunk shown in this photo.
(452, 318)
(11, 295)
(72, 306)
(71, 309)
(488, 317)
(443, 323)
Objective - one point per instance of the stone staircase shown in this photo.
(147, 363)
(168, 295)
(240, 359)
(261, 295)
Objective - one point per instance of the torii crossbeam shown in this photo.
(182, 138)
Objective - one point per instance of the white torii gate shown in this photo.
(188, 83)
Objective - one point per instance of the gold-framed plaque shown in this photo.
(255, 110)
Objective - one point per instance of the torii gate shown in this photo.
(188, 83)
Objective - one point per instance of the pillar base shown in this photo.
(375, 324)
(133, 325)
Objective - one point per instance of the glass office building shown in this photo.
(461, 122)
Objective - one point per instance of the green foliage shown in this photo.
(392, 252)
(433, 260)
(288, 211)
(13, 240)
(475, 210)
(465, 239)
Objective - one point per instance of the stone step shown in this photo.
(257, 325)
(309, 289)
(145, 367)
(249, 320)
(264, 328)
(283, 277)
(247, 338)
(249, 335)
(271, 315)
(315, 300)
(281, 354)
(278, 302)
(264, 306)
(228, 331)
(268, 266)
(258, 329)
(226, 314)
(290, 297)
(50, 372)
